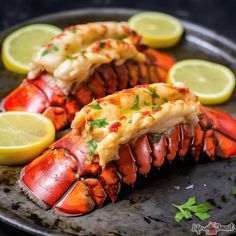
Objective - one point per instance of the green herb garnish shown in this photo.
(82, 52)
(146, 103)
(191, 207)
(73, 30)
(99, 123)
(233, 190)
(70, 57)
(50, 49)
(102, 44)
(68, 98)
(152, 92)
(152, 117)
(155, 107)
(130, 121)
(92, 146)
(136, 103)
(165, 99)
(156, 137)
(95, 106)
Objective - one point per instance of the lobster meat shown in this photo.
(120, 136)
(64, 77)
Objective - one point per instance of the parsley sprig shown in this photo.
(99, 123)
(191, 207)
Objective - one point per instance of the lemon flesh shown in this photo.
(23, 136)
(213, 83)
(158, 30)
(19, 47)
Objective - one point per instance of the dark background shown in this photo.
(218, 15)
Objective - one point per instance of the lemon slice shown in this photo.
(19, 46)
(23, 136)
(212, 83)
(159, 30)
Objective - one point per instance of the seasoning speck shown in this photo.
(190, 186)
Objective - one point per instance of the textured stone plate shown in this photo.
(146, 209)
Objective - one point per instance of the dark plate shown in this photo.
(146, 209)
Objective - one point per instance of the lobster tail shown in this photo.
(42, 95)
(64, 180)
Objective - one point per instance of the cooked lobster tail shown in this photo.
(43, 96)
(63, 179)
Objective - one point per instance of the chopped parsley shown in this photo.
(146, 103)
(70, 57)
(68, 98)
(92, 146)
(82, 52)
(99, 123)
(130, 121)
(156, 138)
(102, 44)
(155, 107)
(191, 206)
(136, 103)
(152, 92)
(233, 190)
(152, 117)
(165, 99)
(50, 49)
(95, 106)
(73, 30)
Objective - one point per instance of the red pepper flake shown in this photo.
(114, 127)
(95, 48)
(71, 29)
(145, 113)
(104, 29)
(129, 91)
(123, 118)
(142, 86)
(58, 36)
(181, 90)
(113, 101)
(47, 44)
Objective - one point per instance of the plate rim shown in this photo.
(190, 26)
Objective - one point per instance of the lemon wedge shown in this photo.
(23, 136)
(19, 46)
(213, 83)
(158, 30)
